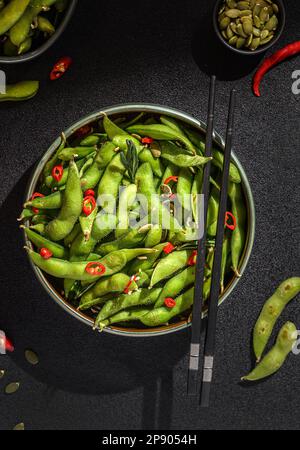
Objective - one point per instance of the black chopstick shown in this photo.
(193, 375)
(209, 347)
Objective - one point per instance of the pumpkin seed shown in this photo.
(264, 14)
(249, 40)
(31, 357)
(229, 32)
(272, 23)
(240, 42)
(275, 8)
(231, 4)
(224, 23)
(19, 427)
(246, 13)
(256, 32)
(11, 388)
(243, 5)
(264, 34)
(222, 9)
(256, 10)
(233, 13)
(240, 31)
(223, 32)
(255, 43)
(257, 21)
(268, 39)
(233, 27)
(233, 40)
(248, 27)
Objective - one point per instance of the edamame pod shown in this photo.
(276, 357)
(238, 236)
(132, 239)
(174, 154)
(271, 311)
(52, 201)
(24, 90)
(177, 284)
(155, 163)
(128, 315)
(11, 13)
(169, 265)
(39, 241)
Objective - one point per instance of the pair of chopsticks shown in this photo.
(194, 378)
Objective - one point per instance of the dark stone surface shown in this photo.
(159, 52)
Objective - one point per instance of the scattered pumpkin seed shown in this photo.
(31, 357)
(233, 13)
(19, 427)
(2, 373)
(11, 388)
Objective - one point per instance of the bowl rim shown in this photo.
(260, 49)
(177, 114)
(47, 44)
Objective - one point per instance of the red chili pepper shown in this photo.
(193, 258)
(36, 195)
(57, 173)
(8, 345)
(228, 225)
(89, 204)
(172, 178)
(60, 67)
(132, 279)
(83, 131)
(279, 56)
(170, 302)
(46, 253)
(95, 268)
(89, 193)
(147, 140)
(169, 248)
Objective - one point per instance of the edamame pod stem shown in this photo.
(161, 132)
(132, 239)
(52, 201)
(162, 315)
(11, 13)
(276, 357)
(128, 315)
(39, 241)
(172, 153)
(24, 90)
(238, 236)
(71, 207)
(169, 265)
(271, 311)
(177, 284)
(141, 297)
(114, 284)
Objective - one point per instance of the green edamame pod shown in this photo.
(112, 130)
(109, 184)
(154, 236)
(39, 241)
(238, 236)
(24, 90)
(72, 235)
(45, 25)
(128, 315)
(155, 163)
(162, 315)
(170, 171)
(126, 201)
(169, 265)
(196, 191)
(11, 13)
(93, 139)
(25, 46)
(52, 201)
(172, 123)
(71, 207)
(132, 239)
(143, 297)
(145, 185)
(212, 212)
(161, 132)
(87, 222)
(52, 161)
(66, 154)
(9, 49)
(61, 5)
(218, 159)
(184, 188)
(276, 357)
(174, 154)
(225, 255)
(177, 284)
(147, 262)
(271, 311)
(121, 142)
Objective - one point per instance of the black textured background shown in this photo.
(158, 51)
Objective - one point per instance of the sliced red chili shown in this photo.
(46, 253)
(89, 204)
(132, 279)
(147, 140)
(36, 195)
(83, 131)
(169, 179)
(8, 345)
(89, 193)
(60, 67)
(193, 258)
(95, 268)
(169, 248)
(230, 226)
(57, 173)
(170, 302)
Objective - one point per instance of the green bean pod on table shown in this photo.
(118, 212)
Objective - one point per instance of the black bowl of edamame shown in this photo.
(29, 27)
(249, 27)
(114, 266)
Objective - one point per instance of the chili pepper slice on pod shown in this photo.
(95, 268)
(89, 204)
(60, 67)
(279, 56)
(57, 173)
